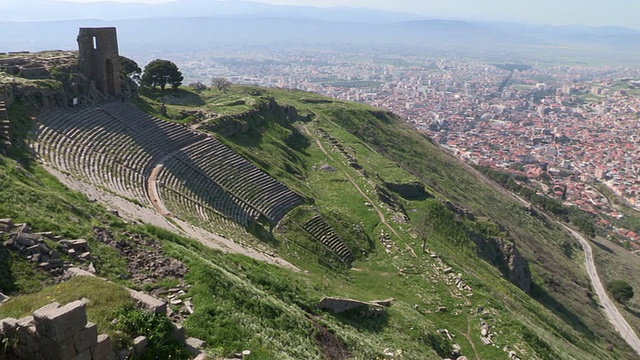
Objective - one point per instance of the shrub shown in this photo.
(620, 290)
(133, 322)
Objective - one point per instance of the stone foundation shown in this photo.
(56, 332)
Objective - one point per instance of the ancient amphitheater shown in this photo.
(149, 160)
(168, 167)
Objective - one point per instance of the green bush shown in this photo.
(620, 290)
(133, 322)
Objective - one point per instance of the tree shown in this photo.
(198, 87)
(129, 67)
(221, 83)
(160, 73)
(620, 290)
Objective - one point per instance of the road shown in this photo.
(609, 308)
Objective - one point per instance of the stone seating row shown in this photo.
(117, 144)
(319, 229)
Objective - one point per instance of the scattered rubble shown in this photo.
(148, 264)
(34, 246)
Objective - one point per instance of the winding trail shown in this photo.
(610, 310)
(152, 189)
(383, 219)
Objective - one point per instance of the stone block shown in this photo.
(23, 351)
(179, 333)
(73, 272)
(25, 241)
(194, 345)
(8, 327)
(85, 355)
(102, 348)
(35, 249)
(148, 302)
(86, 338)
(140, 345)
(60, 323)
(123, 354)
(60, 349)
(26, 334)
(43, 247)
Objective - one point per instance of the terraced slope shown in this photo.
(117, 146)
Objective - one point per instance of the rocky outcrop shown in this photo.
(341, 305)
(50, 80)
(504, 254)
(409, 191)
(229, 125)
(5, 128)
(518, 268)
(499, 251)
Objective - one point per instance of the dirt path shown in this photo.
(383, 219)
(468, 336)
(145, 215)
(609, 308)
(152, 189)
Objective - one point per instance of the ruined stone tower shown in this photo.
(99, 58)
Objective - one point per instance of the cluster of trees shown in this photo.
(583, 221)
(164, 72)
(160, 73)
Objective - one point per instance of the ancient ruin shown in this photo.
(5, 128)
(194, 175)
(58, 333)
(341, 305)
(99, 59)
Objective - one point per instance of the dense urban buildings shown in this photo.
(575, 126)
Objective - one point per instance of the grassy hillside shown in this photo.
(391, 152)
(425, 229)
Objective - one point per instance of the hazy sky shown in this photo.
(587, 12)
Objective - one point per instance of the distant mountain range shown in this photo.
(190, 25)
(51, 10)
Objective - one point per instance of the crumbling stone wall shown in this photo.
(99, 59)
(56, 332)
(5, 127)
(340, 305)
(6, 94)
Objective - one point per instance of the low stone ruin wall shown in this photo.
(56, 332)
(341, 305)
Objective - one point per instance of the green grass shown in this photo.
(105, 299)
(242, 304)
(388, 150)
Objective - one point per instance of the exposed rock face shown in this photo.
(60, 81)
(409, 191)
(228, 125)
(502, 253)
(505, 256)
(519, 273)
(340, 305)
